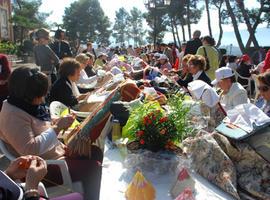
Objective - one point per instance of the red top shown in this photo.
(5, 71)
(266, 66)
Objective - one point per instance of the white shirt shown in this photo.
(237, 95)
(197, 75)
(232, 65)
(84, 79)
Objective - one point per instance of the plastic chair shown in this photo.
(256, 82)
(56, 108)
(248, 85)
(67, 182)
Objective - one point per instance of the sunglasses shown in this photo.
(263, 88)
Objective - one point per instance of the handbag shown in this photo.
(207, 67)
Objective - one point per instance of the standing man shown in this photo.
(90, 49)
(194, 43)
(61, 47)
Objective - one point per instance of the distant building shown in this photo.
(6, 32)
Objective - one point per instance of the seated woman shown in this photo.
(65, 89)
(83, 59)
(165, 65)
(32, 169)
(196, 66)
(26, 127)
(184, 76)
(264, 87)
(89, 69)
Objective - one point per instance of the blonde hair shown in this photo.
(198, 61)
(186, 58)
(82, 58)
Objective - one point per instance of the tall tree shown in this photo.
(208, 17)
(136, 26)
(235, 26)
(85, 20)
(121, 28)
(245, 15)
(26, 17)
(157, 24)
(222, 16)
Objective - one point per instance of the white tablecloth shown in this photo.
(115, 179)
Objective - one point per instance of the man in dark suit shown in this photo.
(194, 43)
(61, 47)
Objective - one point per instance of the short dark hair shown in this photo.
(198, 61)
(68, 67)
(27, 83)
(211, 41)
(91, 56)
(57, 34)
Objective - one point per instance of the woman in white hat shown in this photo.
(233, 92)
(165, 65)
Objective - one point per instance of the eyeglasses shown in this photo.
(263, 88)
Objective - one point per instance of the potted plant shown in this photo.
(151, 127)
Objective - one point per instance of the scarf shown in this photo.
(40, 112)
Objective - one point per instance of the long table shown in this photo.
(115, 179)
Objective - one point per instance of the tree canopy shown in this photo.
(85, 20)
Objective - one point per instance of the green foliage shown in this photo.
(8, 48)
(155, 129)
(26, 17)
(121, 30)
(85, 19)
(136, 26)
(179, 115)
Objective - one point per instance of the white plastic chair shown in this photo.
(67, 185)
(56, 108)
(248, 85)
(256, 82)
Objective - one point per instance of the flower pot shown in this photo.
(134, 147)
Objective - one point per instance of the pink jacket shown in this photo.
(22, 133)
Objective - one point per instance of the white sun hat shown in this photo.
(222, 73)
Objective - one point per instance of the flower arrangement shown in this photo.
(154, 129)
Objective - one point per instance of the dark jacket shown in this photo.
(90, 71)
(61, 49)
(186, 80)
(62, 91)
(243, 70)
(45, 58)
(205, 78)
(192, 46)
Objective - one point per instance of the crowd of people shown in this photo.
(25, 123)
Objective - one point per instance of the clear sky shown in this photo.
(110, 6)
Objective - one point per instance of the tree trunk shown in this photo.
(220, 26)
(174, 39)
(21, 35)
(177, 34)
(188, 19)
(208, 17)
(235, 26)
(183, 32)
(241, 5)
(257, 22)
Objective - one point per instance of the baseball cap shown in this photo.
(163, 57)
(245, 58)
(156, 54)
(101, 54)
(222, 73)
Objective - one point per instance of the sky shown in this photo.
(56, 7)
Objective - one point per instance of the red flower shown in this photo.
(163, 119)
(163, 131)
(145, 120)
(140, 133)
(142, 142)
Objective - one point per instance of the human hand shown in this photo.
(64, 123)
(18, 167)
(36, 172)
